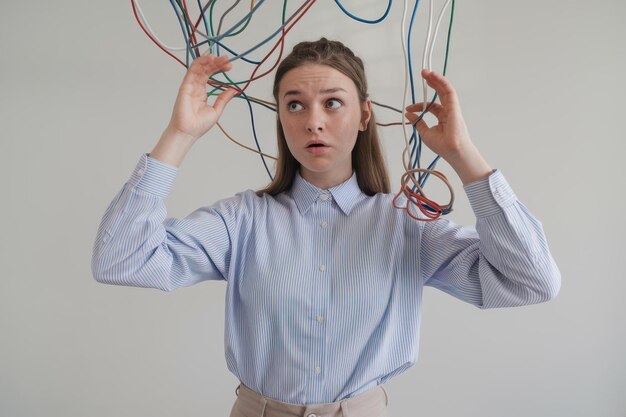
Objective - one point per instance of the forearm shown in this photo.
(128, 249)
(517, 266)
(503, 262)
(138, 246)
(172, 147)
(469, 165)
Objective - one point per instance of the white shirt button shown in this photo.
(317, 370)
(322, 268)
(324, 197)
(312, 415)
(320, 318)
(324, 224)
(140, 172)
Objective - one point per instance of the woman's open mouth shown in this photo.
(316, 148)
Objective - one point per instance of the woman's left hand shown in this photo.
(449, 138)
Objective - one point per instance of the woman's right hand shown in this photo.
(192, 116)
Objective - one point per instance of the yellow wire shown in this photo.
(244, 146)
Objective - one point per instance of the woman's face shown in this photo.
(321, 115)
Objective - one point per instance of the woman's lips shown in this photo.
(317, 148)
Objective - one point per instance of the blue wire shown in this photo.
(233, 28)
(188, 50)
(206, 24)
(239, 55)
(257, 103)
(252, 101)
(254, 134)
(416, 152)
(187, 35)
(269, 37)
(371, 22)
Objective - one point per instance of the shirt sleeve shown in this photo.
(503, 261)
(137, 246)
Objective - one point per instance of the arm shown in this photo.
(135, 244)
(505, 260)
(192, 116)
(449, 138)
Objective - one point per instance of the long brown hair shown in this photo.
(367, 157)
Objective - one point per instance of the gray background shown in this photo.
(84, 93)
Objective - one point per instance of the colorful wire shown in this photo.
(416, 204)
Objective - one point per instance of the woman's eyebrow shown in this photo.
(325, 91)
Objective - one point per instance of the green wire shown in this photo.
(445, 62)
(206, 25)
(445, 65)
(231, 82)
(232, 34)
(186, 21)
(211, 19)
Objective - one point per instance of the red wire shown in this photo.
(192, 35)
(413, 198)
(279, 42)
(419, 200)
(150, 36)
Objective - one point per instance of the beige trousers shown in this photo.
(371, 403)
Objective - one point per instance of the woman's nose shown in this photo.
(315, 122)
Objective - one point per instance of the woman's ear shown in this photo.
(366, 114)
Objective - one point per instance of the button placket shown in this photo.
(322, 237)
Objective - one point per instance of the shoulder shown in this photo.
(248, 202)
(386, 210)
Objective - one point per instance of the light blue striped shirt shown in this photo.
(323, 287)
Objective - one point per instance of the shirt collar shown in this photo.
(346, 195)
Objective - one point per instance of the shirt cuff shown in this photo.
(153, 176)
(490, 195)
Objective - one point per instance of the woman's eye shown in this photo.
(333, 103)
(294, 106)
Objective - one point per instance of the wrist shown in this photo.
(469, 164)
(173, 134)
(172, 147)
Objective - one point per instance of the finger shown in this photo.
(223, 99)
(443, 87)
(434, 108)
(213, 64)
(421, 126)
(203, 67)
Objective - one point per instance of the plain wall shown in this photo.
(84, 93)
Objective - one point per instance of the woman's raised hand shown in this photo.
(449, 138)
(192, 116)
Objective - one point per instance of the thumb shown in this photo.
(223, 99)
(421, 126)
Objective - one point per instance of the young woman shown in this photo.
(324, 276)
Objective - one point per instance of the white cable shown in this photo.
(149, 29)
(432, 43)
(424, 57)
(406, 154)
(427, 61)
